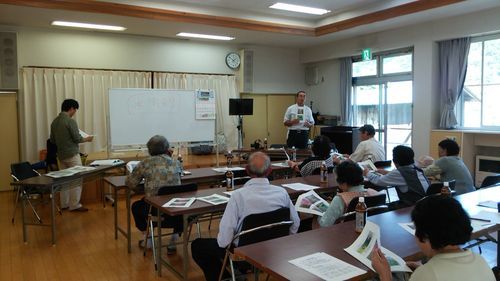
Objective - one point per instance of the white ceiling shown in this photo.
(257, 10)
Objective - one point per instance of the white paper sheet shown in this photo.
(83, 134)
(214, 199)
(69, 172)
(281, 164)
(224, 169)
(486, 217)
(362, 249)
(327, 267)
(300, 186)
(488, 204)
(131, 165)
(408, 226)
(228, 193)
(106, 162)
(179, 202)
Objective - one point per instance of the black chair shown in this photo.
(383, 164)
(166, 221)
(257, 228)
(18, 172)
(490, 180)
(51, 157)
(435, 188)
(375, 205)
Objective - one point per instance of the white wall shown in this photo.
(276, 70)
(423, 37)
(325, 95)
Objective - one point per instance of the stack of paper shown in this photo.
(179, 202)
(69, 172)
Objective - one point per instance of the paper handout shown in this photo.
(131, 165)
(214, 199)
(83, 134)
(300, 186)
(408, 226)
(311, 203)
(362, 249)
(327, 267)
(368, 164)
(106, 162)
(69, 172)
(224, 169)
(179, 202)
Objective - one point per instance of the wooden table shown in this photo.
(200, 208)
(199, 176)
(272, 256)
(52, 185)
(276, 154)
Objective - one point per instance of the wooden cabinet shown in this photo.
(471, 143)
(267, 118)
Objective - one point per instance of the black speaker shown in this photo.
(8, 61)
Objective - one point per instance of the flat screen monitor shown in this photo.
(240, 106)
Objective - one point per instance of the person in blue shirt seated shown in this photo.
(321, 148)
(441, 226)
(256, 196)
(451, 167)
(350, 181)
(409, 180)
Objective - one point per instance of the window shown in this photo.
(478, 104)
(383, 96)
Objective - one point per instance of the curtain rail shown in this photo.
(129, 70)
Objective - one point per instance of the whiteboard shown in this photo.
(135, 115)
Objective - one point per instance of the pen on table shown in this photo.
(478, 219)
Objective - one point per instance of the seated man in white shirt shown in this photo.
(368, 148)
(256, 196)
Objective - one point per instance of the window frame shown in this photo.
(459, 107)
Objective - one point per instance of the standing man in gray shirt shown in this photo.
(65, 135)
(298, 118)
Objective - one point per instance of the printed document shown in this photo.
(311, 203)
(300, 186)
(224, 169)
(179, 202)
(214, 199)
(408, 226)
(327, 267)
(106, 162)
(83, 134)
(281, 164)
(362, 249)
(69, 172)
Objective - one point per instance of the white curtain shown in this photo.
(44, 89)
(224, 87)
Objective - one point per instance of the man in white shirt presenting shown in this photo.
(298, 118)
(368, 148)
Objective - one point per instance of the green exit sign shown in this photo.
(366, 54)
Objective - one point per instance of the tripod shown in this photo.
(240, 130)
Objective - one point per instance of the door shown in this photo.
(255, 126)
(9, 142)
(388, 107)
(276, 107)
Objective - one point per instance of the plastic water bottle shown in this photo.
(265, 143)
(229, 158)
(445, 190)
(294, 154)
(229, 180)
(179, 158)
(323, 173)
(360, 215)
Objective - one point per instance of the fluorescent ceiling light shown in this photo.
(88, 25)
(204, 36)
(299, 9)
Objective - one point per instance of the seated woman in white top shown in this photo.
(441, 226)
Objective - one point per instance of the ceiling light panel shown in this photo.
(88, 25)
(299, 9)
(204, 36)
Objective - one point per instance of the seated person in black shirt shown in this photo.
(321, 152)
